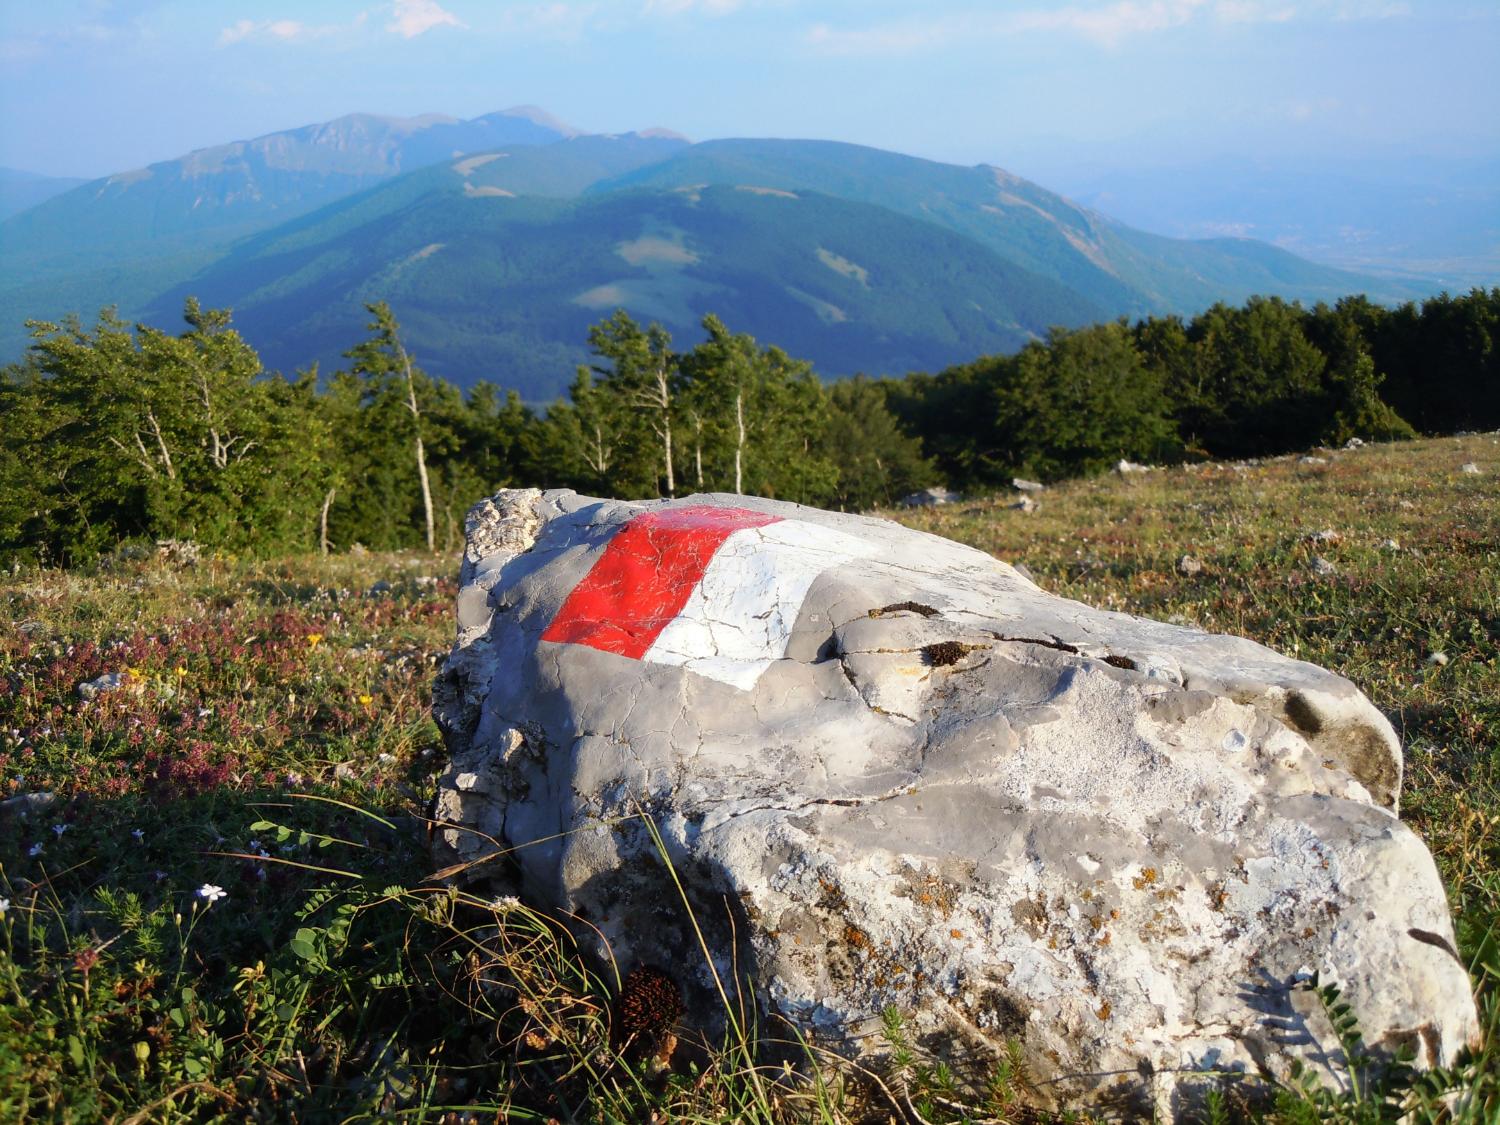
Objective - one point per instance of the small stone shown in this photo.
(110, 681)
(1355, 443)
(1189, 566)
(1024, 504)
(1311, 460)
(1438, 659)
(23, 805)
(1322, 567)
(1026, 485)
(930, 498)
(1327, 535)
(343, 772)
(1470, 468)
(1389, 545)
(1124, 467)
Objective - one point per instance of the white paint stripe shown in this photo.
(739, 618)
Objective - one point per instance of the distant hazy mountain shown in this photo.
(124, 238)
(1121, 269)
(499, 240)
(20, 190)
(1436, 218)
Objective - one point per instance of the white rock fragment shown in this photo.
(1322, 567)
(1026, 485)
(110, 681)
(928, 784)
(1188, 566)
(1470, 467)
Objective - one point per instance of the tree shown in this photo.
(381, 359)
(876, 463)
(642, 374)
(762, 412)
(1257, 379)
(1080, 402)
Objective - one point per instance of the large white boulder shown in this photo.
(890, 771)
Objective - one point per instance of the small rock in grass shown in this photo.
(1327, 535)
(1026, 485)
(1470, 468)
(1189, 566)
(22, 805)
(1354, 443)
(343, 772)
(110, 681)
(1124, 467)
(1024, 504)
(1322, 567)
(1438, 659)
(1389, 545)
(1311, 460)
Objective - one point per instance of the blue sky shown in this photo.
(89, 87)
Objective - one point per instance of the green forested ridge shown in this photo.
(117, 432)
(500, 240)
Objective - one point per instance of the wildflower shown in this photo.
(181, 670)
(366, 700)
(34, 851)
(314, 639)
(211, 893)
(4, 906)
(59, 829)
(138, 834)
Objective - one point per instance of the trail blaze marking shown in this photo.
(713, 590)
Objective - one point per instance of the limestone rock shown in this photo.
(1022, 485)
(890, 771)
(930, 498)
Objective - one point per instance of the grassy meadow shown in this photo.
(216, 900)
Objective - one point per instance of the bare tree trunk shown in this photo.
(739, 448)
(416, 415)
(664, 404)
(323, 544)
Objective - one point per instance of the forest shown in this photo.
(118, 433)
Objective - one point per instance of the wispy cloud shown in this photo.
(1106, 24)
(410, 18)
(677, 7)
(285, 31)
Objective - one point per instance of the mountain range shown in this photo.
(498, 240)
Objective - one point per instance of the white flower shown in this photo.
(34, 851)
(212, 893)
(4, 905)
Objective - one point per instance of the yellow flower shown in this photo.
(134, 673)
(366, 700)
(181, 670)
(313, 639)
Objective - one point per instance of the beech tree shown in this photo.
(383, 359)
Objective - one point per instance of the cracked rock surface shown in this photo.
(891, 771)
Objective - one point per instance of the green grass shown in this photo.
(273, 740)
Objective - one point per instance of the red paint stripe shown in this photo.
(645, 576)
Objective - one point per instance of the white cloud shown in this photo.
(410, 18)
(677, 7)
(282, 31)
(1107, 24)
